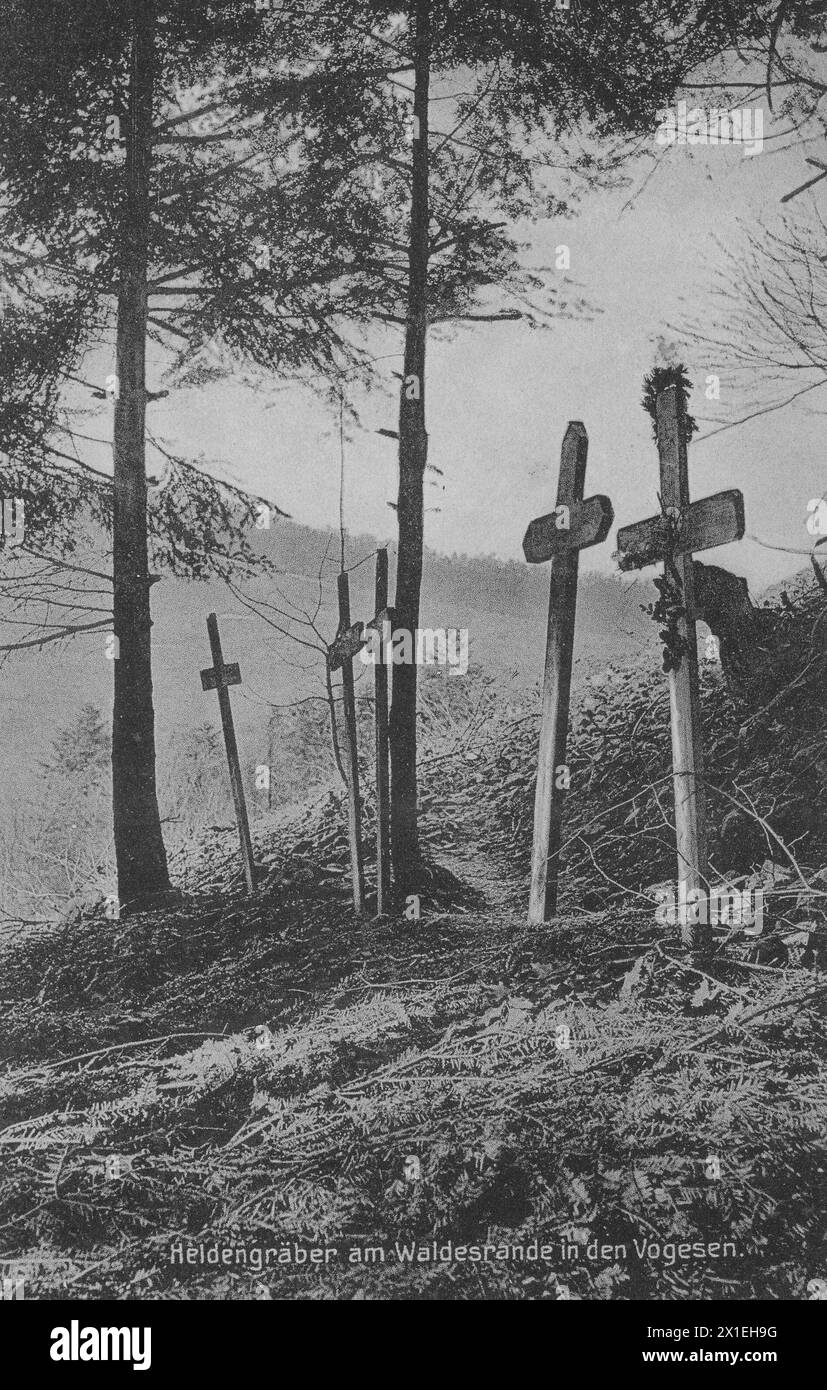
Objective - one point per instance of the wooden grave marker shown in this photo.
(380, 689)
(682, 528)
(220, 677)
(347, 642)
(346, 645)
(559, 536)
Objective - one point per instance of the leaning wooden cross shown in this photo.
(220, 677)
(382, 624)
(672, 536)
(341, 652)
(348, 642)
(559, 536)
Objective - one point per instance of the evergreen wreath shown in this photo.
(658, 380)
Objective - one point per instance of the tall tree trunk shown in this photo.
(139, 846)
(413, 454)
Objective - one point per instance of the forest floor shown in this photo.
(267, 1098)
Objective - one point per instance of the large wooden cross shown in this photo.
(679, 529)
(559, 536)
(220, 676)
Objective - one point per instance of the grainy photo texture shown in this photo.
(413, 644)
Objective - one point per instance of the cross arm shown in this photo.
(347, 643)
(589, 523)
(713, 521)
(383, 617)
(231, 672)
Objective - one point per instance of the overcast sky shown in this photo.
(499, 395)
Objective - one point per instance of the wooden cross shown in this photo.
(559, 536)
(220, 677)
(380, 690)
(348, 642)
(681, 528)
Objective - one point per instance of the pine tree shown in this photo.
(211, 245)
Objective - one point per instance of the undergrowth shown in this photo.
(269, 1074)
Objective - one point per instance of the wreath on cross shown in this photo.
(670, 606)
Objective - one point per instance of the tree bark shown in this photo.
(413, 453)
(139, 847)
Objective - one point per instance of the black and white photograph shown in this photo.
(413, 655)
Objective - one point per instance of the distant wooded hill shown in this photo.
(502, 604)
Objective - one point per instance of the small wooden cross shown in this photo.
(220, 677)
(559, 536)
(383, 622)
(681, 528)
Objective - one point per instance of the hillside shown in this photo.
(280, 712)
(589, 1114)
(502, 606)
